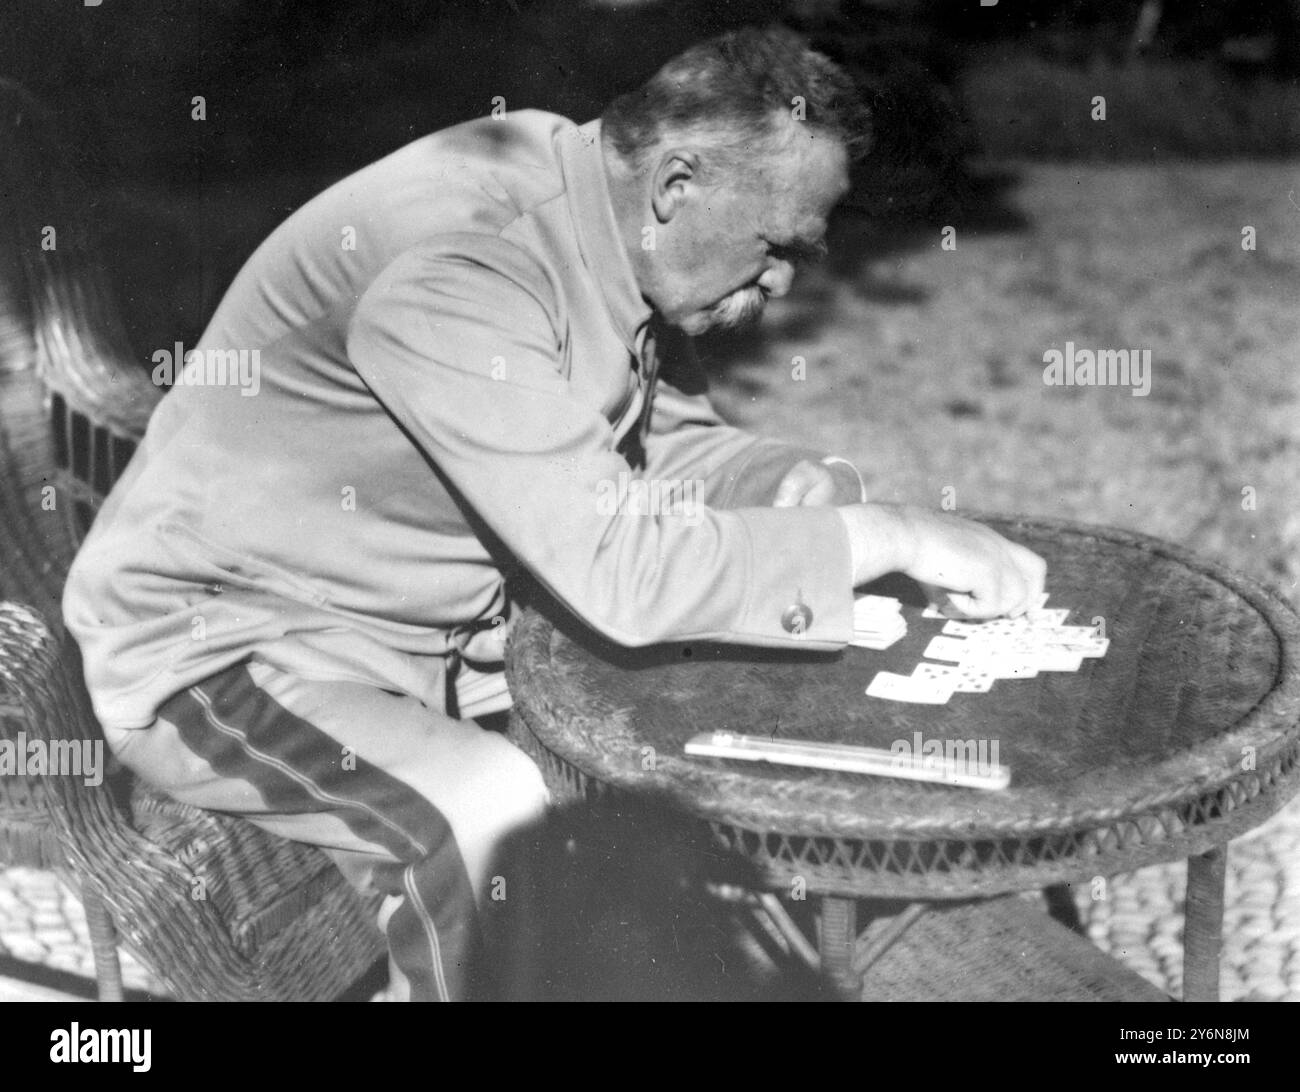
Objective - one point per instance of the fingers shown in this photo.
(1005, 598)
(1006, 582)
(1025, 584)
(793, 485)
(1022, 575)
(968, 568)
(822, 490)
(805, 484)
(966, 606)
(1032, 567)
(936, 596)
(948, 603)
(1016, 598)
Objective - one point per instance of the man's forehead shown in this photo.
(813, 145)
(797, 210)
(815, 167)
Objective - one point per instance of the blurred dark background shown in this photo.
(297, 95)
(326, 86)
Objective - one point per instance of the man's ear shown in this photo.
(672, 181)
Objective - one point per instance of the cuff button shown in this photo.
(797, 618)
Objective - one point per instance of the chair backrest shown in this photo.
(98, 398)
(72, 406)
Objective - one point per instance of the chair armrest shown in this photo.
(63, 745)
(216, 907)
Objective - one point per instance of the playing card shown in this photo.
(894, 687)
(878, 635)
(994, 627)
(1006, 668)
(876, 642)
(1081, 639)
(877, 603)
(1053, 658)
(1076, 633)
(1003, 627)
(877, 622)
(1052, 617)
(936, 673)
(897, 625)
(953, 649)
(972, 679)
(1004, 663)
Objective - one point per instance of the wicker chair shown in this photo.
(215, 907)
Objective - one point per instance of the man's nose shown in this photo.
(777, 279)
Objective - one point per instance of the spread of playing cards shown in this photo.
(968, 657)
(965, 657)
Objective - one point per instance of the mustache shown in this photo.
(742, 307)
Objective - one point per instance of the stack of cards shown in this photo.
(976, 654)
(877, 621)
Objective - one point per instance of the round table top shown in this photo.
(1184, 734)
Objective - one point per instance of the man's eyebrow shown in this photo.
(799, 248)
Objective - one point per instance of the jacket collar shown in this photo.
(587, 189)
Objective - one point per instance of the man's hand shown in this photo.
(808, 485)
(984, 574)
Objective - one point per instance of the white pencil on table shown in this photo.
(848, 758)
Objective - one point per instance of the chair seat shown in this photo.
(260, 884)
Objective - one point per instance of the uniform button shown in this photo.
(797, 618)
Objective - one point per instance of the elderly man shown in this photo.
(291, 606)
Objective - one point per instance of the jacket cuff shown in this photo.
(813, 609)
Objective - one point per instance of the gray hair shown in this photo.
(738, 94)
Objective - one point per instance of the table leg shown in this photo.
(789, 931)
(837, 942)
(1203, 925)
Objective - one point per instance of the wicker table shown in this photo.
(1185, 735)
